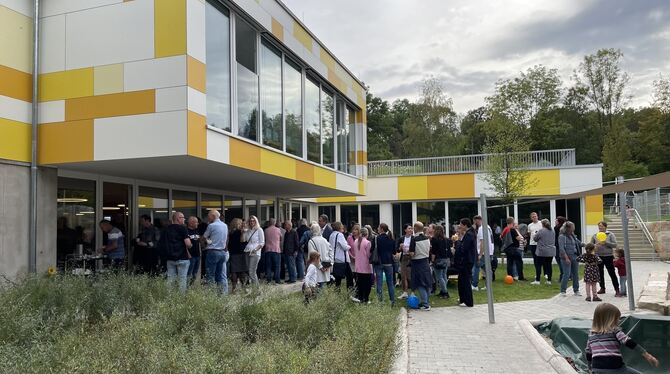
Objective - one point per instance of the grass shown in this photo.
(136, 324)
(518, 291)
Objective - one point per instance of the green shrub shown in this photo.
(134, 324)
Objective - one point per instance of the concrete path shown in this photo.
(459, 340)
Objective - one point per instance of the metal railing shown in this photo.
(468, 163)
(645, 230)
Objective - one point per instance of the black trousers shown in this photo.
(363, 286)
(608, 262)
(465, 285)
(349, 277)
(544, 263)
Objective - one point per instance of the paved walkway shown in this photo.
(459, 340)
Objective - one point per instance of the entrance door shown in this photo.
(116, 203)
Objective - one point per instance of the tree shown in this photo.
(505, 167)
(473, 131)
(661, 94)
(520, 99)
(617, 155)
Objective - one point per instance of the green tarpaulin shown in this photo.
(652, 332)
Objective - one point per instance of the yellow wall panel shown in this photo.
(108, 79)
(15, 83)
(547, 183)
(169, 28)
(66, 84)
(304, 172)
(451, 186)
(303, 37)
(362, 187)
(324, 177)
(327, 59)
(62, 142)
(362, 158)
(197, 135)
(112, 105)
(277, 29)
(336, 81)
(16, 35)
(413, 188)
(277, 164)
(245, 155)
(593, 205)
(15, 140)
(337, 199)
(196, 74)
(592, 218)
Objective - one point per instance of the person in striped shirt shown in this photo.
(603, 347)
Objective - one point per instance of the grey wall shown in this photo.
(14, 210)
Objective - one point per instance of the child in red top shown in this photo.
(620, 265)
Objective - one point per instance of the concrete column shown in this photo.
(552, 210)
(386, 214)
(414, 214)
(516, 210)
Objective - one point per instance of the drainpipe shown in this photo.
(32, 252)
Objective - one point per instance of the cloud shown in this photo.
(392, 44)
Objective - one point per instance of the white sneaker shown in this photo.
(516, 278)
(355, 300)
(545, 276)
(475, 288)
(577, 293)
(548, 283)
(462, 304)
(563, 294)
(403, 296)
(483, 289)
(535, 282)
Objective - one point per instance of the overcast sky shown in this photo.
(392, 45)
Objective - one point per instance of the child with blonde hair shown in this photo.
(310, 285)
(591, 275)
(603, 347)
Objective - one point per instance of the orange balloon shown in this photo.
(509, 279)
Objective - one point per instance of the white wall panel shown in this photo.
(52, 44)
(345, 183)
(111, 34)
(386, 214)
(52, 111)
(17, 110)
(53, 7)
(275, 10)
(256, 12)
(381, 189)
(197, 101)
(218, 147)
(155, 73)
(146, 135)
(580, 179)
(172, 98)
(24, 7)
(195, 34)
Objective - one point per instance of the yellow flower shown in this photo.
(51, 271)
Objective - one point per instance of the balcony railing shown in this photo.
(467, 163)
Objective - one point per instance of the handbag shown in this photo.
(339, 268)
(374, 255)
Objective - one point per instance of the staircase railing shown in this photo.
(640, 222)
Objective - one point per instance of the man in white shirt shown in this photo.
(533, 228)
(480, 263)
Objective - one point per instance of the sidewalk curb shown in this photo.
(546, 351)
(401, 362)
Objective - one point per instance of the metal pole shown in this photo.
(658, 204)
(32, 236)
(629, 270)
(487, 257)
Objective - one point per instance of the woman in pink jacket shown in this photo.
(360, 251)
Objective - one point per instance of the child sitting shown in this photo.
(591, 275)
(620, 265)
(603, 347)
(310, 284)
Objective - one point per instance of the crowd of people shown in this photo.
(364, 258)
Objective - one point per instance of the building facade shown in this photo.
(148, 106)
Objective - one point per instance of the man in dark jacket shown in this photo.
(326, 228)
(290, 249)
(465, 257)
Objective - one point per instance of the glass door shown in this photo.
(116, 203)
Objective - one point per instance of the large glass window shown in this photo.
(76, 217)
(525, 209)
(247, 80)
(293, 107)
(342, 136)
(462, 209)
(209, 202)
(353, 147)
(154, 203)
(370, 215)
(218, 66)
(402, 214)
(271, 95)
(327, 118)
(233, 208)
(328, 210)
(349, 215)
(185, 202)
(312, 123)
(430, 212)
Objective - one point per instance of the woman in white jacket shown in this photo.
(317, 243)
(255, 239)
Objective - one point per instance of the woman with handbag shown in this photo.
(255, 239)
(341, 267)
(360, 252)
(441, 257)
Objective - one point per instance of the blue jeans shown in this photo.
(289, 260)
(570, 270)
(380, 272)
(476, 268)
(178, 269)
(622, 284)
(423, 295)
(216, 269)
(300, 265)
(272, 266)
(442, 279)
(193, 267)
